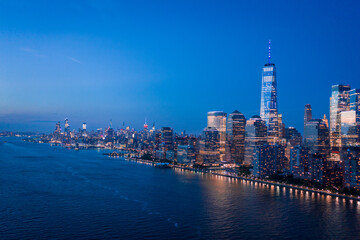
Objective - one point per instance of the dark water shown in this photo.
(54, 193)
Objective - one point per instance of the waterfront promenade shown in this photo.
(277, 184)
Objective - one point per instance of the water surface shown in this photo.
(54, 193)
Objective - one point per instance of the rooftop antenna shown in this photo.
(269, 51)
(110, 123)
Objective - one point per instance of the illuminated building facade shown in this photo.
(351, 167)
(300, 162)
(316, 137)
(217, 120)
(255, 135)
(185, 154)
(67, 127)
(339, 102)
(355, 103)
(167, 136)
(57, 128)
(235, 137)
(349, 130)
(293, 136)
(268, 160)
(210, 146)
(307, 114)
(268, 107)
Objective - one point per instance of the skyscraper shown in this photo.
(355, 103)
(67, 127)
(255, 135)
(269, 108)
(217, 120)
(307, 114)
(57, 128)
(167, 136)
(339, 102)
(316, 137)
(235, 137)
(210, 146)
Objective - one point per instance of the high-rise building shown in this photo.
(351, 167)
(210, 146)
(67, 127)
(235, 137)
(217, 120)
(293, 136)
(307, 114)
(167, 135)
(268, 160)
(255, 135)
(355, 103)
(300, 162)
(57, 128)
(316, 137)
(269, 108)
(84, 126)
(185, 154)
(281, 126)
(326, 121)
(350, 129)
(339, 102)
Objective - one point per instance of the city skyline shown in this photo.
(49, 73)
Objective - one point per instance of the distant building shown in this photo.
(57, 128)
(255, 135)
(185, 154)
(217, 120)
(269, 108)
(293, 136)
(235, 138)
(67, 127)
(355, 103)
(300, 162)
(317, 167)
(167, 137)
(269, 160)
(210, 146)
(307, 114)
(316, 137)
(350, 129)
(339, 102)
(351, 167)
(170, 155)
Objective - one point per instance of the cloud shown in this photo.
(75, 60)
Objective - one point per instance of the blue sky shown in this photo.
(169, 61)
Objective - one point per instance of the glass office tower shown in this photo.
(235, 137)
(255, 135)
(339, 102)
(316, 137)
(269, 108)
(217, 120)
(355, 103)
(307, 114)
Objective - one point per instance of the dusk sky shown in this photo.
(169, 61)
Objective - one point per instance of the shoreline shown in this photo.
(277, 184)
(262, 181)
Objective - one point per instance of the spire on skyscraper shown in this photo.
(269, 51)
